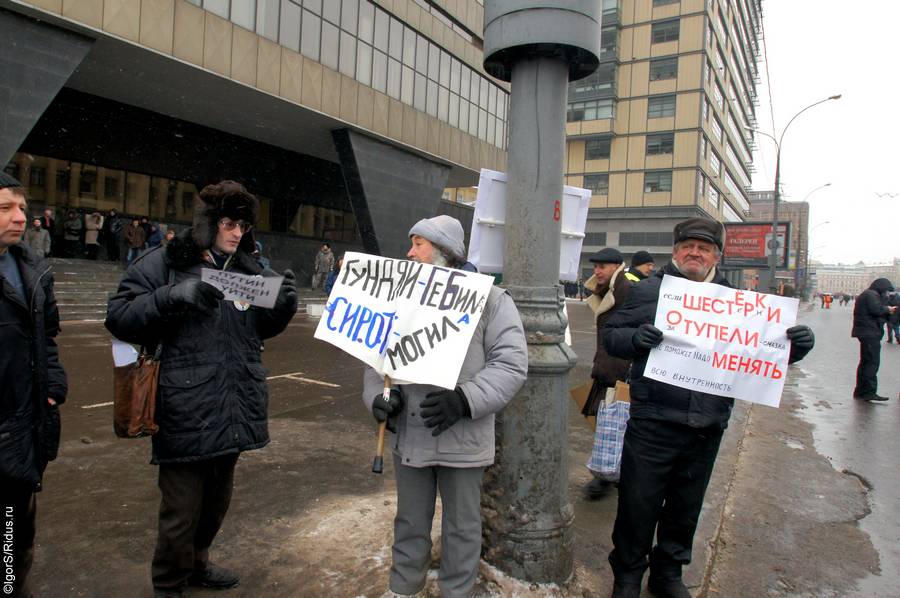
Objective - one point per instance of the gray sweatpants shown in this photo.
(417, 488)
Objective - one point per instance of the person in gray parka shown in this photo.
(445, 438)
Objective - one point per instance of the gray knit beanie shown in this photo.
(444, 231)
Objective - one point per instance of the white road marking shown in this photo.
(95, 405)
(294, 376)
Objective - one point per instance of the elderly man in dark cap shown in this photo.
(212, 398)
(609, 288)
(445, 438)
(642, 266)
(673, 436)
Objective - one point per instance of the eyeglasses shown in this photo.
(229, 225)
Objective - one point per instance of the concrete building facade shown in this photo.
(348, 118)
(797, 214)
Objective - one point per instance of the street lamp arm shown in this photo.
(793, 118)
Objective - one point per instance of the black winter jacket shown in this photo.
(30, 372)
(212, 398)
(870, 311)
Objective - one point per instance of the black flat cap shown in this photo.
(640, 258)
(607, 255)
(704, 229)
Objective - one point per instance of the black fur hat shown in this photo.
(225, 199)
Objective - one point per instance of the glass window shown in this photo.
(661, 143)
(409, 47)
(364, 63)
(243, 13)
(473, 119)
(664, 2)
(443, 103)
(290, 25)
(331, 10)
(421, 55)
(453, 112)
(348, 54)
(665, 31)
(406, 86)
(217, 7)
(597, 183)
(444, 78)
(382, 28)
(609, 41)
(597, 148)
(483, 95)
(501, 104)
(463, 115)
(420, 90)
(492, 99)
(309, 40)
(393, 81)
(330, 40)
(593, 110)
(313, 5)
(396, 39)
(659, 106)
(366, 21)
(464, 82)
(267, 18)
(434, 62)
(492, 128)
(475, 88)
(454, 75)
(379, 71)
(432, 102)
(350, 15)
(715, 165)
(657, 180)
(664, 68)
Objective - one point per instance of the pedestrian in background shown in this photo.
(38, 239)
(445, 438)
(32, 384)
(673, 435)
(112, 235)
(869, 316)
(323, 265)
(154, 239)
(72, 228)
(170, 234)
(93, 224)
(332, 276)
(642, 266)
(212, 399)
(134, 240)
(609, 287)
(49, 225)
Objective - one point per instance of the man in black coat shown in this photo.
(32, 381)
(673, 436)
(869, 315)
(212, 399)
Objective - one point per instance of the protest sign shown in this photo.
(410, 321)
(255, 290)
(722, 341)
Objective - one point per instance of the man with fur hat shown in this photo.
(642, 266)
(445, 438)
(212, 397)
(673, 435)
(32, 384)
(609, 288)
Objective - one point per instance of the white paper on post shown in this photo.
(487, 242)
(123, 353)
(410, 321)
(722, 341)
(261, 291)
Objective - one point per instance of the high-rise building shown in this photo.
(797, 214)
(661, 132)
(348, 118)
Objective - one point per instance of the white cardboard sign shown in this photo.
(407, 320)
(261, 291)
(486, 246)
(722, 341)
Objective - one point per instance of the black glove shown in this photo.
(802, 341)
(287, 294)
(383, 408)
(443, 408)
(646, 337)
(193, 293)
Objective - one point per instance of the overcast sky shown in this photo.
(819, 48)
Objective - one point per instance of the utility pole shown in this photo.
(538, 46)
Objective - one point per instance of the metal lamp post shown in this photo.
(773, 244)
(802, 251)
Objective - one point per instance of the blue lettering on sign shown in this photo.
(465, 319)
(359, 323)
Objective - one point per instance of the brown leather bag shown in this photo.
(134, 403)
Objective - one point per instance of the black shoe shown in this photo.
(668, 588)
(213, 576)
(874, 397)
(598, 488)
(626, 590)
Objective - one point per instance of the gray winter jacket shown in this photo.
(494, 370)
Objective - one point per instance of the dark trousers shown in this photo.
(195, 498)
(665, 470)
(18, 516)
(112, 249)
(867, 371)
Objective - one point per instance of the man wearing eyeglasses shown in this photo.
(212, 397)
(673, 436)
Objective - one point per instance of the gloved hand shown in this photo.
(287, 294)
(383, 408)
(193, 293)
(646, 337)
(802, 341)
(443, 408)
